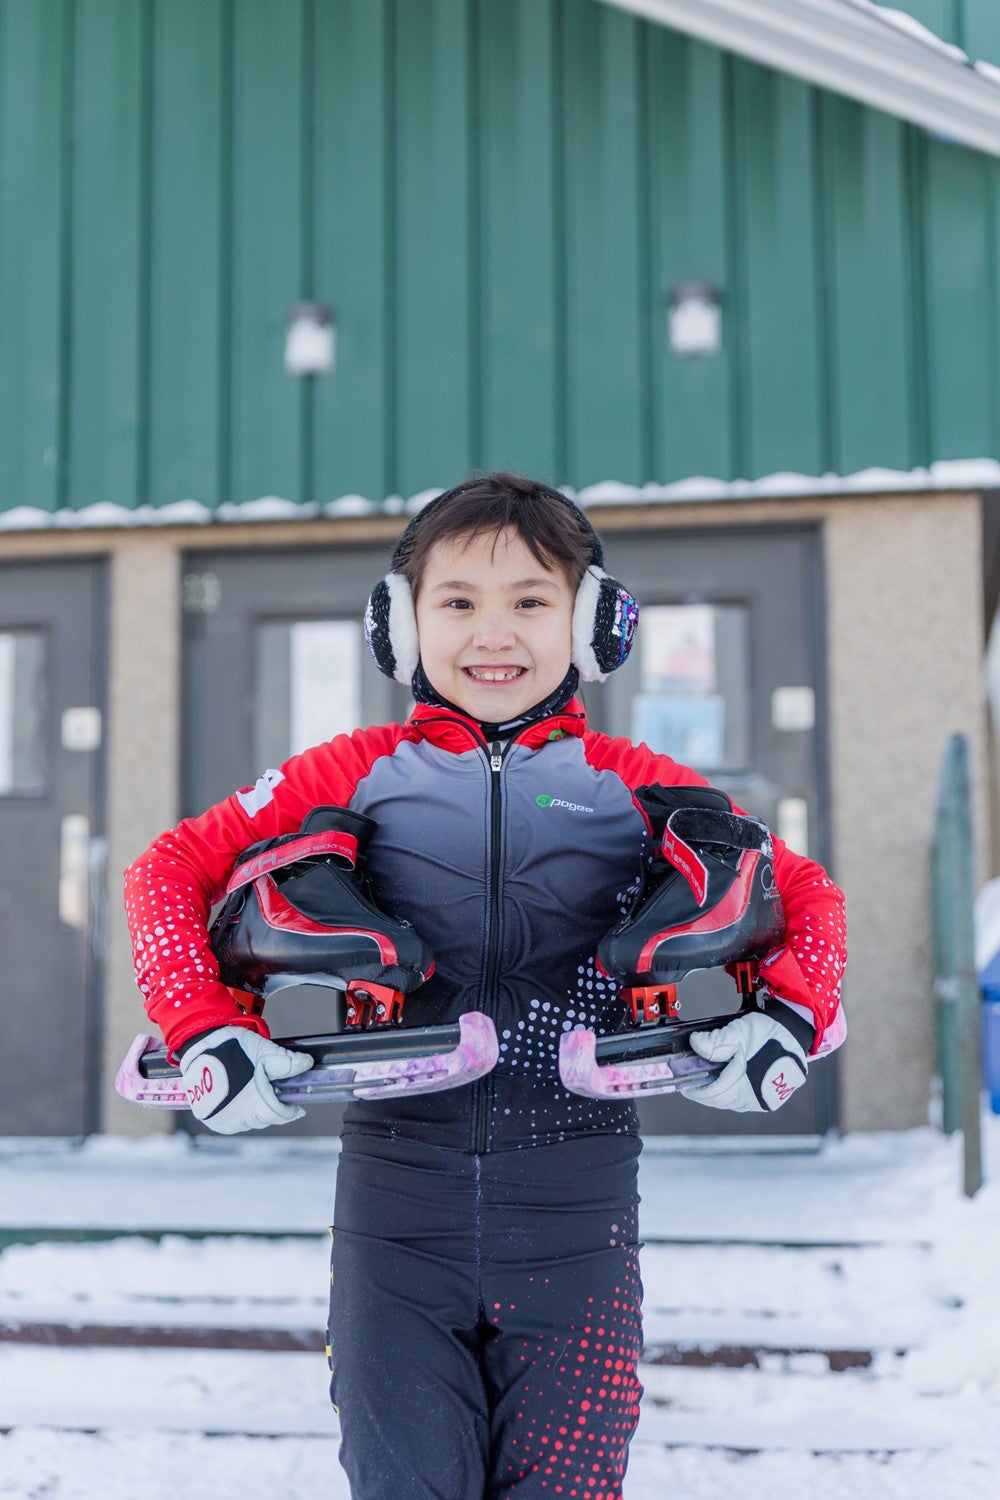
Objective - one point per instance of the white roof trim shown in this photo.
(881, 57)
(952, 476)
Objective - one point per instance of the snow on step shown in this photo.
(848, 1298)
(165, 1390)
(226, 1282)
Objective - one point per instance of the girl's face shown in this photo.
(494, 625)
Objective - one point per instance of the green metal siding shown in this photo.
(34, 131)
(973, 25)
(496, 197)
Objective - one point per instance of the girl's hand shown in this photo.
(765, 1052)
(227, 1075)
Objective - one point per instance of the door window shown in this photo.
(22, 713)
(693, 691)
(308, 685)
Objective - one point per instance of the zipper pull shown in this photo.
(496, 755)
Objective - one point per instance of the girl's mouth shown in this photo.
(494, 674)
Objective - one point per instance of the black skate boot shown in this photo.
(708, 899)
(299, 909)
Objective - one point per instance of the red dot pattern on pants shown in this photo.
(578, 1445)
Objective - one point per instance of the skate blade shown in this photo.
(582, 1071)
(373, 1065)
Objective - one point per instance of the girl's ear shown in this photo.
(391, 628)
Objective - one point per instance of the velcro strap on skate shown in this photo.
(690, 826)
(343, 846)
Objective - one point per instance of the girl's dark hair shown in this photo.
(555, 532)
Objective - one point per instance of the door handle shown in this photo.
(74, 870)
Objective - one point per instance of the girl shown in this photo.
(485, 1307)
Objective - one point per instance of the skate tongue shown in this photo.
(339, 819)
(689, 828)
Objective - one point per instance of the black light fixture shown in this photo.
(311, 339)
(694, 316)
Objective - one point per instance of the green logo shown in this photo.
(545, 800)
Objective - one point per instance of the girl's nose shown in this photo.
(493, 636)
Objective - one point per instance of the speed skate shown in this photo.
(708, 899)
(299, 910)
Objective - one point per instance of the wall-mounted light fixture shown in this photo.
(694, 310)
(311, 340)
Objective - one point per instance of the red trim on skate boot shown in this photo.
(724, 914)
(311, 846)
(684, 859)
(278, 912)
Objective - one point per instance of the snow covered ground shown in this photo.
(845, 1305)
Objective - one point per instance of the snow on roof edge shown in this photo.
(948, 474)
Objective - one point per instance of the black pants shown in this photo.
(485, 1319)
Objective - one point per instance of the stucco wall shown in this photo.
(904, 588)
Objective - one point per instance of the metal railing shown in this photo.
(959, 1036)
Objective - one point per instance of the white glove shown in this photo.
(226, 1073)
(764, 1052)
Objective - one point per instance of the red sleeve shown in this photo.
(170, 890)
(806, 970)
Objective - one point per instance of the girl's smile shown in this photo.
(494, 625)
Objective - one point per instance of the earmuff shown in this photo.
(604, 614)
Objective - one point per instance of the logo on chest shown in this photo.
(545, 800)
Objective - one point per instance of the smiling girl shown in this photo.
(485, 1310)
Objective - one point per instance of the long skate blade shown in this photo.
(630, 1066)
(423, 1060)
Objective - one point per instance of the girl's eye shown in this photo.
(457, 604)
(531, 604)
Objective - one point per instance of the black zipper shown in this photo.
(482, 1102)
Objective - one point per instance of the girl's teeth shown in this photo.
(483, 674)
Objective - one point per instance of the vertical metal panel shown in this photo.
(265, 260)
(104, 350)
(187, 241)
(350, 256)
(605, 322)
(958, 362)
(980, 36)
(689, 226)
(936, 15)
(519, 239)
(866, 250)
(33, 205)
(781, 385)
(434, 392)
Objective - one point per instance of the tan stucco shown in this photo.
(904, 637)
(905, 651)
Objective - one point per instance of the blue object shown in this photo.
(989, 983)
(991, 1047)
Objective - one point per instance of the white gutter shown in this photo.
(881, 57)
